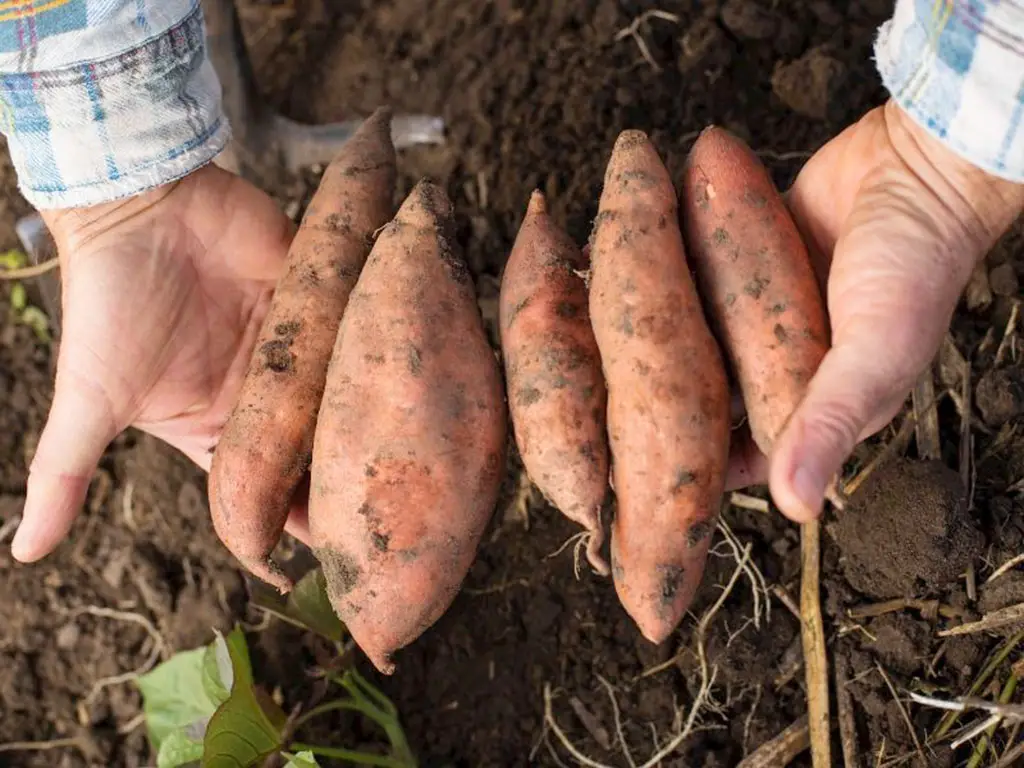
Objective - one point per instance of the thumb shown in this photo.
(78, 430)
(893, 287)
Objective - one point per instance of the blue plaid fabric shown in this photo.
(101, 99)
(957, 67)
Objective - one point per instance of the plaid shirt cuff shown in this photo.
(957, 68)
(101, 129)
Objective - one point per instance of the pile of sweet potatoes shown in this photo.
(657, 346)
(373, 380)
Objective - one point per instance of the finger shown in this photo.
(77, 432)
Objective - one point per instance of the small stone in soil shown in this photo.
(907, 531)
(811, 85)
(703, 45)
(1000, 395)
(746, 19)
(1003, 280)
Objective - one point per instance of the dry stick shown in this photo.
(781, 750)
(753, 503)
(980, 681)
(1013, 561)
(25, 273)
(927, 417)
(784, 597)
(847, 724)
(40, 746)
(812, 630)
(894, 446)
(980, 748)
(1011, 756)
(617, 719)
(1008, 334)
(9, 527)
(903, 711)
(965, 430)
(1004, 617)
(591, 723)
(929, 609)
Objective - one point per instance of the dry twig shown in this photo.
(1008, 334)
(927, 417)
(812, 630)
(41, 746)
(979, 682)
(903, 712)
(26, 273)
(753, 503)
(1003, 617)
(930, 609)
(1011, 563)
(895, 446)
(781, 750)
(847, 724)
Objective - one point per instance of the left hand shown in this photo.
(163, 295)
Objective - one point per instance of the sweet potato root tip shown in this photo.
(668, 398)
(267, 442)
(557, 395)
(756, 277)
(410, 440)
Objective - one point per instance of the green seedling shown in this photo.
(204, 709)
(23, 312)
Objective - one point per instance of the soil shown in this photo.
(533, 94)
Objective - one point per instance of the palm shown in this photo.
(161, 314)
(163, 296)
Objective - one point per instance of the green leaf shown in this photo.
(19, 298)
(174, 697)
(37, 320)
(307, 605)
(303, 760)
(178, 750)
(13, 259)
(218, 677)
(241, 732)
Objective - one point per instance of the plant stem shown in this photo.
(333, 706)
(359, 758)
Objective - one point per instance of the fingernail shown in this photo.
(21, 544)
(809, 488)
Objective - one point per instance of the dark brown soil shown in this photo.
(908, 531)
(534, 94)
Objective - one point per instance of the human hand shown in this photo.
(895, 223)
(163, 295)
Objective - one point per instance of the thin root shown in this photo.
(633, 30)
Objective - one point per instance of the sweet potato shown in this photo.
(553, 373)
(755, 275)
(267, 443)
(411, 438)
(668, 397)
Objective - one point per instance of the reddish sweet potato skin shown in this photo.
(668, 399)
(411, 438)
(557, 395)
(756, 277)
(265, 449)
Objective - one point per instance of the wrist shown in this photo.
(74, 228)
(980, 206)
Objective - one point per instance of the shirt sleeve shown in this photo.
(102, 99)
(957, 68)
